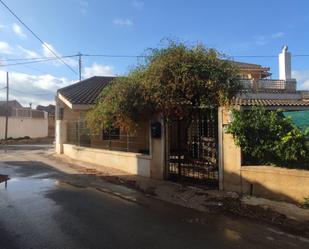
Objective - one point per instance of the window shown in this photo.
(111, 133)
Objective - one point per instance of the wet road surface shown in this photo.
(45, 208)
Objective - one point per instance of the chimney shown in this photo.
(285, 64)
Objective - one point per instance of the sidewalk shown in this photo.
(287, 216)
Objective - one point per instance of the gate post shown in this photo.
(229, 156)
(220, 148)
(158, 151)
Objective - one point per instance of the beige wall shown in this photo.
(21, 127)
(230, 156)
(290, 185)
(157, 151)
(276, 183)
(51, 125)
(72, 115)
(132, 163)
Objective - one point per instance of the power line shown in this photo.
(43, 59)
(115, 56)
(37, 37)
(266, 56)
(35, 69)
(35, 61)
(145, 56)
(33, 58)
(29, 93)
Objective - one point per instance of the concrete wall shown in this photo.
(132, 163)
(51, 125)
(290, 185)
(20, 127)
(158, 152)
(229, 156)
(276, 183)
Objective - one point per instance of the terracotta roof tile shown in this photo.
(270, 102)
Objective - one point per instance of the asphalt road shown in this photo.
(41, 209)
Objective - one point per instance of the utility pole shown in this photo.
(7, 106)
(80, 65)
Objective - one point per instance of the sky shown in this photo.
(128, 27)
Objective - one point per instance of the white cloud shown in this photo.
(83, 6)
(262, 40)
(139, 5)
(5, 48)
(302, 77)
(28, 53)
(2, 26)
(46, 50)
(18, 31)
(123, 22)
(36, 89)
(47, 53)
(98, 70)
(277, 35)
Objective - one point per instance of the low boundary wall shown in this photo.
(290, 185)
(21, 127)
(133, 163)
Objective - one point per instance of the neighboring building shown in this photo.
(197, 151)
(22, 121)
(50, 110)
(11, 103)
(269, 182)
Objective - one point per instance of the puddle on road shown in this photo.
(26, 187)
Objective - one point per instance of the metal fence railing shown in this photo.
(114, 139)
(265, 85)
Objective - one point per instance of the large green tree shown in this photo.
(171, 82)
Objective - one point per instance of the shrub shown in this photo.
(172, 82)
(267, 137)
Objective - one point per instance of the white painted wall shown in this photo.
(20, 127)
(285, 67)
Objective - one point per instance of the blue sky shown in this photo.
(128, 27)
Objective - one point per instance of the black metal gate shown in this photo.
(193, 149)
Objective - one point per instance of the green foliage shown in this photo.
(171, 82)
(266, 137)
(306, 203)
(121, 104)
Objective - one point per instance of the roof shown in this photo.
(49, 109)
(245, 65)
(86, 91)
(249, 67)
(12, 104)
(270, 102)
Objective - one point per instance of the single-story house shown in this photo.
(201, 152)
